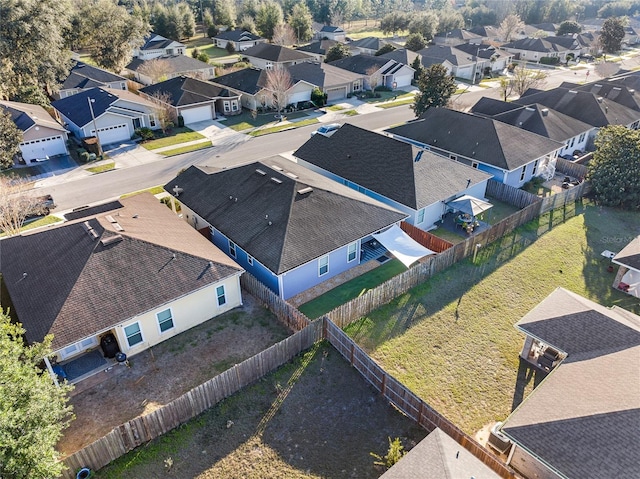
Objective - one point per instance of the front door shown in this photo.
(136, 123)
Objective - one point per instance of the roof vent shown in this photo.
(276, 180)
(632, 91)
(110, 219)
(110, 240)
(306, 190)
(89, 230)
(276, 167)
(599, 99)
(291, 175)
(117, 227)
(261, 172)
(545, 111)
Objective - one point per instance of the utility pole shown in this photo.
(95, 126)
(475, 68)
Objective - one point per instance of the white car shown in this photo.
(40, 160)
(328, 129)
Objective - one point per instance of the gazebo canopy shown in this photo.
(470, 205)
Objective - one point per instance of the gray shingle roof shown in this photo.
(26, 115)
(270, 220)
(174, 63)
(630, 254)
(75, 286)
(451, 54)
(389, 166)
(360, 63)
(238, 35)
(611, 90)
(320, 48)
(154, 41)
(370, 43)
(489, 107)
(536, 45)
(85, 76)
(323, 75)
(187, 91)
(247, 80)
(401, 55)
(583, 417)
(489, 141)
(275, 53)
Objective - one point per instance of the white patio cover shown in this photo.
(402, 246)
(632, 278)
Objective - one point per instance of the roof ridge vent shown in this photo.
(292, 175)
(110, 240)
(306, 190)
(261, 172)
(93, 234)
(276, 180)
(276, 167)
(110, 219)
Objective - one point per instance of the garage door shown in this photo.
(404, 80)
(114, 134)
(301, 96)
(336, 94)
(193, 115)
(43, 147)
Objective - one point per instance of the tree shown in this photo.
(424, 24)
(415, 42)
(278, 82)
(268, 17)
(394, 22)
(10, 139)
(386, 48)
(374, 78)
(511, 25)
(337, 52)
(606, 69)
(283, 35)
(611, 35)
(614, 170)
(417, 66)
(569, 26)
(248, 24)
(17, 202)
(523, 79)
(33, 410)
(449, 20)
(188, 21)
(436, 86)
(224, 13)
(157, 69)
(301, 21)
(207, 21)
(164, 113)
(506, 88)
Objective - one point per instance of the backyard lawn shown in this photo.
(452, 341)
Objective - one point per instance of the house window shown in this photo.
(357, 85)
(133, 334)
(227, 107)
(123, 86)
(234, 105)
(152, 120)
(220, 295)
(581, 139)
(268, 66)
(474, 164)
(165, 320)
(420, 217)
(573, 140)
(323, 265)
(535, 168)
(352, 250)
(524, 170)
(250, 259)
(232, 248)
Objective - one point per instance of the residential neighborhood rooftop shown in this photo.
(186, 91)
(174, 63)
(275, 53)
(27, 115)
(83, 76)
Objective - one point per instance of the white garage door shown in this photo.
(193, 115)
(336, 94)
(113, 134)
(300, 96)
(44, 147)
(404, 80)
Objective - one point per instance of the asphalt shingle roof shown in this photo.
(369, 43)
(323, 75)
(269, 219)
(440, 53)
(484, 139)
(401, 55)
(187, 91)
(174, 63)
(83, 76)
(275, 53)
(75, 285)
(26, 115)
(360, 63)
(630, 254)
(320, 48)
(247, 80)
(389, 167)
(238, 35)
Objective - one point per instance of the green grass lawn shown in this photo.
(350, 113)
(245, 120)
(101, 168)
(37, 223)
(154, 190)
(334, 108)
(452, 341)
(352, 289)
(206, 45)
(393, 104)
(175, 137)
(25, 172)
(186, 149)
(386, 96)
(284, 126)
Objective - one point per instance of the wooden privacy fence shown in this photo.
(425, 238)
(570, 168)
(405, 400)
(511, 195)
(570, 195)
(142, 429)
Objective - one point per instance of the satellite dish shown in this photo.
(177, 190)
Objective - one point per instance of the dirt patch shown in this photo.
(168, 370)
(315, 417)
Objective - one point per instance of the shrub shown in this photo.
(549, 60)
(230, 48)
(195, 53)
(212, 31)
(394, 454)
(84, 156)
(180, 121)
(318, 97)
(144, 133)
(203, 57)
(240, 65)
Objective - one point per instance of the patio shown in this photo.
(449, 223)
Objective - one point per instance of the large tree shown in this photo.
(436, 86)
(614, 170)
(268, 17)
(337, 52)
(17, 202)
(510, 26)
(33, 50)
(394, 22)
(33, 410)
(611, 35)
(569, 26)
(10, 139)
(301, 21)
(415, 42)
(224, 13)
(424, 24)
(279, 82)
(522, 79)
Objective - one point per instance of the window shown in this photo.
(420, 216)
(535, 168)
(323, 265)
(250, 259)
(232, 248)
(474, 164)
(234, 105)
(357, 85)
(133, 334)
(123, 86)
(268, 66)
(227, 107)
(165, 320)
(152, 120)
(581, 139)
(220, 295)
(524, 170)
(352, 251)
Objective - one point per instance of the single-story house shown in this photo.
(456, 37)
(487, 33)
(158, 46)
(610, 90)
(266, 56)
(384, 72)
(541, 120)
(318, 49)
(42, 135)
(115, 113)
(584, 418)
(136, 275)
(628, 277)
(240, 39)
(533, 49)
(369, 45)
(512, 155)
(402, 55)
(149, 71)
(83, 77)
(416, 182)
(335, 82)
(488, 56)
(252, 85)
(463, 60)
(194, 100)
(331, 32)
(289, 227)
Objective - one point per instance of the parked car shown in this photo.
(327, 130)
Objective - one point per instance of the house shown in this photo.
(536, 118)
(377, 70)
(266, 56)
(456, 37)
(194, 100)
(331, 32)
(137, 275)
(439, 456)
(253, 86)
(416, 182)
(402, 55)
(241, 40)
(628, 277)
(115, 113)
(335, 82)
(610, 90)
(289, 227)
(369, 45)
(318, 49)
(463, 60)
(42, 135)
(489, 57)
(534, 49)
(158, 46)
(487, 33)
(583, 419)
(512, 155)
(149, 71)
(83, 77)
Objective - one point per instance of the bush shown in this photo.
(180, 121)
(318, 97)
(230, 48)
(85, 156)
(203, 57)
(195, 53)
(240, 65)
(212, 31)
(144, 133)
(549, 60)
(393, 455)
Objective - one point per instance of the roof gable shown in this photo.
(238, 35)
(630, 254)
(361, 64)
(275, 53)
(246, 80)
(187, 91)
(26, 115)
